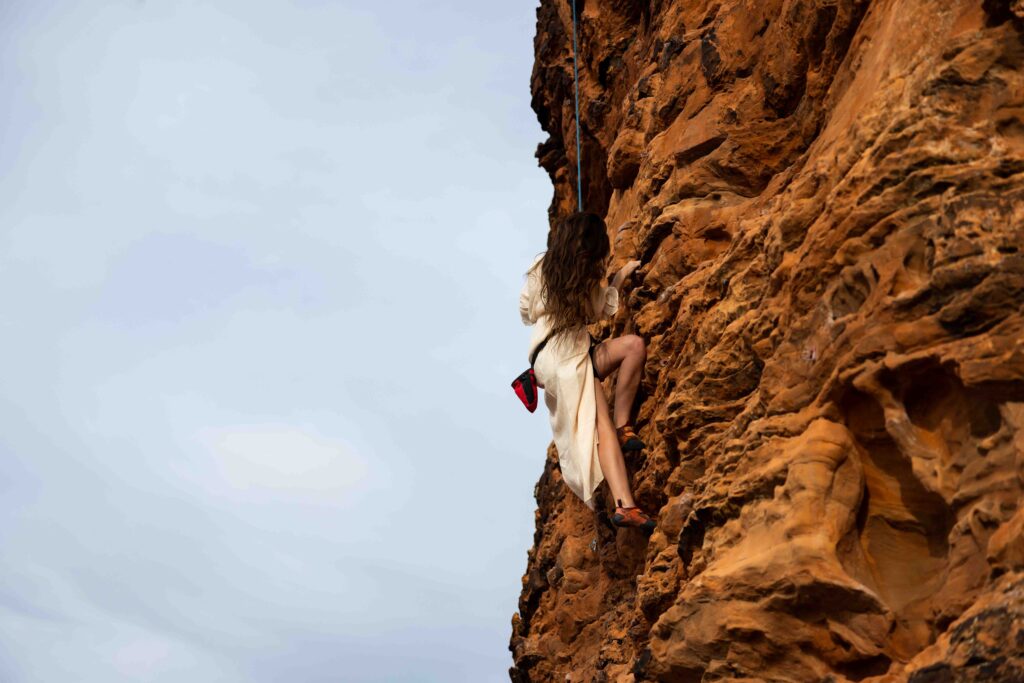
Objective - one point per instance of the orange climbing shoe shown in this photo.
(632, 517)
(628, 440)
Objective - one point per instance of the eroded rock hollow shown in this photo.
(827, 197)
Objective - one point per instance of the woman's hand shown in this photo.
(624, 272)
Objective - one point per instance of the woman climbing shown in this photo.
(563, 293)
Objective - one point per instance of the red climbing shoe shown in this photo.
(628, 440)
(632, 517)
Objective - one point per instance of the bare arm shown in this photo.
(623, 273)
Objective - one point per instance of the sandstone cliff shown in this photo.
(827, 197)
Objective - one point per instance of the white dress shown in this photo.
(564, 369)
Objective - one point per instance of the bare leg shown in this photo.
(627, 353)
(609, 453)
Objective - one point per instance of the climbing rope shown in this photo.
(576, 80)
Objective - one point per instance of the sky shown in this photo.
(259, 272)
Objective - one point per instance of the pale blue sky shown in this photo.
(259, 267)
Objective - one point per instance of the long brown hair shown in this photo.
(574, 264)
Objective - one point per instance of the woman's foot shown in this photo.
(632, 517)
(628, 440)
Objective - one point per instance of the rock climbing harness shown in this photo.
(576, 82)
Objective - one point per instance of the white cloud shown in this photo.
(282, 459)
(258, 268)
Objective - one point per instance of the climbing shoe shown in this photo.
(628, 440)
(632, 517)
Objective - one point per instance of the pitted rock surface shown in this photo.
(827, 198)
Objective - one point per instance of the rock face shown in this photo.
(827, 197)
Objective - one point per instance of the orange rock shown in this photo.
(828, 203)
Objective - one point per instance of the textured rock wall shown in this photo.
(827, 197)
